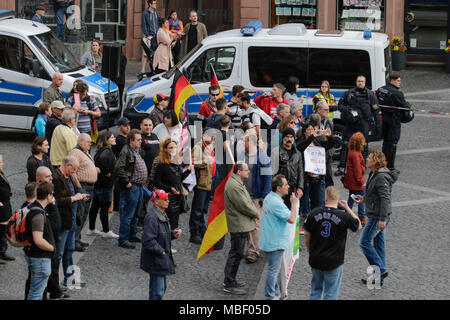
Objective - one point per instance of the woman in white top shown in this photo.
(290, 94)
(170, 127)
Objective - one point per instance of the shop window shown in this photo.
(294, 11)
(360, 15)
(269, 65)
(340, 70)
(222, 60)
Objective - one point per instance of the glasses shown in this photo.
(215, 94)
(292, 122)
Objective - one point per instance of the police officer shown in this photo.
(356, 107)
(390, 95)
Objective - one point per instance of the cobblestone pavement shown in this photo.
(417, 237)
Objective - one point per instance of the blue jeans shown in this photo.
(40, 270)
(66, 247)
(200, 204)
(376, 253)
(361, 206)
(62, 11)
(325, 284)
(130, 207)
(313, 195)
(157, 287)
(272, 289)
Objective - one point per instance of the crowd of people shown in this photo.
(274, 177)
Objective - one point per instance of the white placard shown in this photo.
(412, 43)
(315, 160)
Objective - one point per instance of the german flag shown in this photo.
(217, 222)
(215, 81)
(181, 91)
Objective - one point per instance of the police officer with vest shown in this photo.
(390, 95)
(356, 107)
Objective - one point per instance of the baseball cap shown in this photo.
(159, 97)
(159, 194)
(40, 8)
(123, 121)
(57, 104)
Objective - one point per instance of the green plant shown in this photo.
(397, 44)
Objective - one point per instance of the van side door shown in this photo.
(224, 60)
(20, 91)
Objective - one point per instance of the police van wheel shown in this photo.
(338, 132)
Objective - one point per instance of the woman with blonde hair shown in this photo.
(168, 176)
(354, 180)
(378, 211)
(324, 94)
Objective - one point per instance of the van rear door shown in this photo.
(20, 91)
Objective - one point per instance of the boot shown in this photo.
(195, 237)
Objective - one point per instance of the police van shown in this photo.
(29, 56)
(256, 58)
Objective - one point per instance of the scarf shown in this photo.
(174, 25)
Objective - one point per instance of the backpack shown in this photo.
(16, 233)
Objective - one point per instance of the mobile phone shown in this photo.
(354, 197)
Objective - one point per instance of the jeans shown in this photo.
(272, 289)
(157, 287)
(84, 209)
(3, 240)
(313, 194)
(325, 284)
(101, 200)
(361, 206)
(130, 207)
(200, 204)
(235, 255)
(62, 11)
(66, 248)
(376, 253)
(40, 269)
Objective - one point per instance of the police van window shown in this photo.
(221, 59)
(10, 57)
(269, 65)
(339, 66)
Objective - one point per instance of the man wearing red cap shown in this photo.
(157, 114)
(156, 253)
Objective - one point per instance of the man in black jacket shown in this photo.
(156, 253)
(357, 105)
(390, 95)
(54, 120)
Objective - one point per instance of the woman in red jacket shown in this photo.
(356, 169)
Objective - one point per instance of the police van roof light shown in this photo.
(367, 34)
(251, 28)
(7, 14)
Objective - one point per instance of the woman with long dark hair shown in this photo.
(290, 93)
(38, 158)
(105, 160)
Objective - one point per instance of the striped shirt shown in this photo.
(84, 120)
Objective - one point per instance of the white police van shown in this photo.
(256, 58)
(29, 56)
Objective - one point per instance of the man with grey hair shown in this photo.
(53, 93)
(86, 174)
(322, 109)
(64, 138)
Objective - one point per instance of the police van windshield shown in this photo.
(169, 73)
(55, 52)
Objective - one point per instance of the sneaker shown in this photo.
(94, 232)
(79, 247)
(339, 172)
(7, 257)
(83, 244)
(127, 245)
(236, 284)
(174, 251)
(110, 235)
(135, 239)
(234, 290)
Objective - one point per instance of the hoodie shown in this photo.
(378, 193)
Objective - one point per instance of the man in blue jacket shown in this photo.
(258, 185)
(156, 253)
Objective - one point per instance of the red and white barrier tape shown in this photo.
(417, 110)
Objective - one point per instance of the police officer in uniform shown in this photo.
(356, 107)
(390, 95)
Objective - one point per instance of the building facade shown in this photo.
(422, 24)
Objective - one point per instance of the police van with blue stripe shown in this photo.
(256, 58)
(29, 56)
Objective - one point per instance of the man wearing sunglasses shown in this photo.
(208, 106)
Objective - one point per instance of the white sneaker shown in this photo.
(94, 232)
(110, 234)
(174, 251)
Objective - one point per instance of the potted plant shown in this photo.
(398, 54)
(447, 56)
